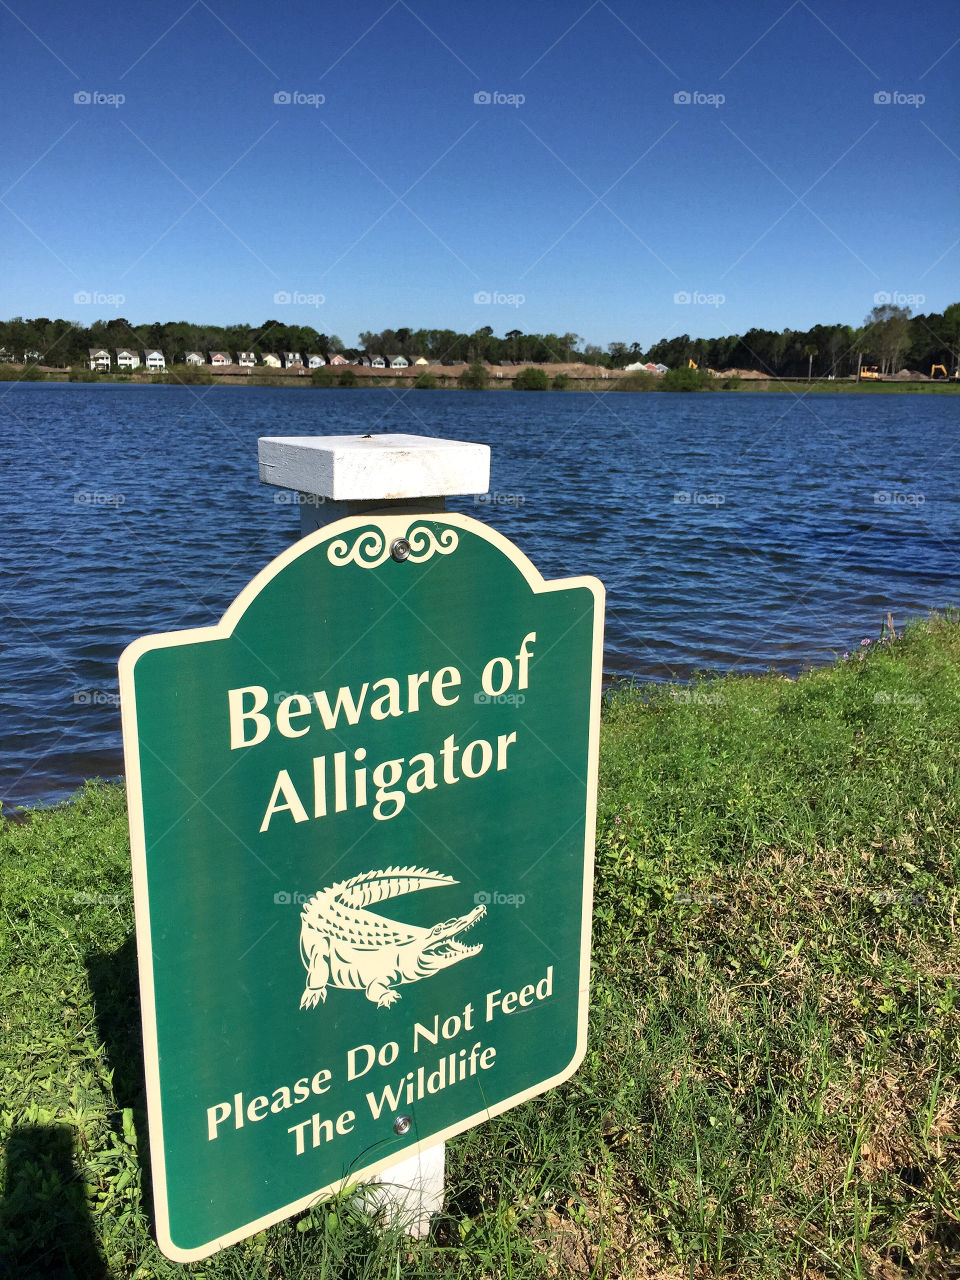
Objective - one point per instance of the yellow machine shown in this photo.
(870, 373)
(942, 370)
(692, 364)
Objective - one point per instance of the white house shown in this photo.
(291, 357)
(635, 367)
(32, 357)
(339, 359)
(399, 362)
(154, 359)
(99, 359)
(378, 362)
(195, 357)
(421, 360)
(271, 360)
(661, 368)
(220, 358)
(315, 362)
(127, 359)
(246, 359)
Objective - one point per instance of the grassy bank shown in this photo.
(771, 1087)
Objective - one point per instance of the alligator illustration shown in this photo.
(343, 945)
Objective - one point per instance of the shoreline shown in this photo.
(500, 380)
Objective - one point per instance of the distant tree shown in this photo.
(474, 378)
(561, 382)
(686, 380)
(887, 336)
(347, 378)
(425, 382)
(531, 379)
(810, 350)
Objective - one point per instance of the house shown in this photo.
(194, 357)
(246, 359)
(650, 367)
(99, 359)
(271, 360)
(32, 357)
(127, 359)
(399, 362)
(378, 362)
(421, 360)
(661, 368)
(363, 360)
(315, 362)
(338, 359)
(291, 357)
(220, 358)
(636, 367)
(153, 359)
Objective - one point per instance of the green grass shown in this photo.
(842, 385)
(771, 1087)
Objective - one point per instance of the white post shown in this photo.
(338, 476)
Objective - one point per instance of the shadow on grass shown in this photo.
(114, 984)
(46, 1232)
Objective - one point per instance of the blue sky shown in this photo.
(587, 207)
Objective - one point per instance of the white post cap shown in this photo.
(374, 467)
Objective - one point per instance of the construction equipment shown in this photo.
(692, 364)
(870, 373)
(942, 369)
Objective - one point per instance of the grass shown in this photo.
(771, 1087)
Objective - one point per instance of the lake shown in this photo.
(732, 531)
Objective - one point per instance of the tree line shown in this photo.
(890, 337)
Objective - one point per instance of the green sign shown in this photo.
(362, 820)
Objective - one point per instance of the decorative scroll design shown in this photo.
(423, 543)
(371, 548)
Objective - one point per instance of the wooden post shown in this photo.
(338, 476)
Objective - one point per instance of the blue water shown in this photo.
(134, 509)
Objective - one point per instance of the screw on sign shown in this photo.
(443, 741)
